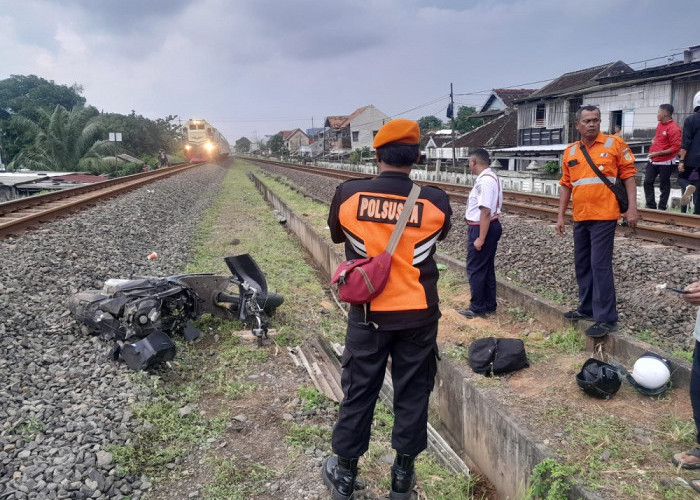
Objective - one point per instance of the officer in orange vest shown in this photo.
(401, 321)
(596, 212)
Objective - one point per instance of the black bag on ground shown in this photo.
(493, 355)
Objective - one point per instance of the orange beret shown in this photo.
(400, 130)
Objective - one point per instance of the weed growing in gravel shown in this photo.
(440, 486)
(680, 431)
(164, 435)
(549, 481)
(646, 335)
(311, 398)
(683, 354)
(307, 435)
(236, 480)
(519, 314)
(29, 429)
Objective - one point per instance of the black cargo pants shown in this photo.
(413, 367)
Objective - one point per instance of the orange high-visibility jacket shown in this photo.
(363, 215)
(592, 199)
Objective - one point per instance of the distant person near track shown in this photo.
(662, 154)
(595, 213)
(402, 321)
(689, 163)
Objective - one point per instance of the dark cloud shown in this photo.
(127, 15)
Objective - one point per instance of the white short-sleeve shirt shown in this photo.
(487, 192)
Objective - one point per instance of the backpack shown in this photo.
(496, 356)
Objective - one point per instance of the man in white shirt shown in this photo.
(484, 231)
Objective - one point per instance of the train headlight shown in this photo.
(209, 146)
(188, 147)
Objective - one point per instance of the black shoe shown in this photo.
(601, 328)
(468, 313)
(575, 314)
(339, 477)
(403, 478)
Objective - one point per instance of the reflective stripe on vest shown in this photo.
(572, 150)
(609, 142)
(592, 180)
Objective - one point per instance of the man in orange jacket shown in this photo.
(402, 321)
(662, 153)
(596, 212)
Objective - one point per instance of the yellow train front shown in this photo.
(204, 142)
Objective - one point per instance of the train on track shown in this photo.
(203, 142)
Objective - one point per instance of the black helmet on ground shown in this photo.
(599, 379)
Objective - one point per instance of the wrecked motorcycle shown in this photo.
(140, 315)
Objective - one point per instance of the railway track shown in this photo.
(22, 214)
(667, 228)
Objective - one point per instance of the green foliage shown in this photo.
(548, 481)
(243, 145)
(27, 96)
(357, 155)
(276, 144)
(441, 484)
(62, 141)
(519, 314)
(142, 136)
(551, 167)
(427, 123)
(164, 436)
(463, 122)
(236, 480)
(312, 398)
(29, 429)
(306, 435)
(683, 354)
(569, 341)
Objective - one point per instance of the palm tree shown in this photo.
(63, 141)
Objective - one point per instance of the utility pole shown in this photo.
(452, 117)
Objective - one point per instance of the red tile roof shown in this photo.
(501, 132)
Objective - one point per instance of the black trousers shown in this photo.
(413, 367)
(664, 172)
(695, 389)
(481, 271)
(593, 254)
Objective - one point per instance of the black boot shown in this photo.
(339, 476)
(403, 479)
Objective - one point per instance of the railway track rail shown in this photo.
(667, 228)
(22, 214)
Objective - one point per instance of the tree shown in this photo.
(63, 140)
(142, 136)
(463, 122)
(357, 155)
(276, 144)
(243, 145)
(429, 123)
(26, 96)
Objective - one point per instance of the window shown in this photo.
(193, 127)
(540, 115)
(355, 136)
(200, 126)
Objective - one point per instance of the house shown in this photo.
(631, 100)
(343, 134)
(547, 115)
(294, 139)
(500, 128)
(438, 145)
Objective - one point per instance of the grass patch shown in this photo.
(163, 436)
(235, 479)
(307, 435)
(570, 341)
(311, 398)
(440, 484)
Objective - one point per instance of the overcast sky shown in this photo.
(255, 67)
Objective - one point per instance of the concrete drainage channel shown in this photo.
(485, 436)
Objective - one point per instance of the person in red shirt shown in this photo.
(662, 153)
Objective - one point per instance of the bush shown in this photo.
(551, 167)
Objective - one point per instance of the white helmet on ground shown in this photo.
(651, 374)
(696, 100)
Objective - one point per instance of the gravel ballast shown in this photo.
(62, 403)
